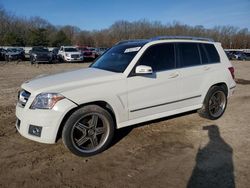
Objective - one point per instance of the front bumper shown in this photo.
(89, 56)
(42, 59)
(14, 57)
(48, 120)
(70, 59)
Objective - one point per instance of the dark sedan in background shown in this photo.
(40, 55)
(54, 54)
(2, 54)
(14, 54)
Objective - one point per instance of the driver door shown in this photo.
(157, 92)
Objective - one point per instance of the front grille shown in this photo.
(42, 57)
(23, 97)
(74, 56)
(87, 53)
(13, 56)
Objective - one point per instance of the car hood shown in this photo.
(69, 80)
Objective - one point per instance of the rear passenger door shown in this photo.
(158, 92)
(195, 63)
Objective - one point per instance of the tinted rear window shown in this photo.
(188, 54)
(209, 54)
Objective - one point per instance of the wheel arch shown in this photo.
(100, 103)
(204, 112)
(223, 85)
(220, 84)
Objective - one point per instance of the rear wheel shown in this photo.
(88, 131)
(214, 104)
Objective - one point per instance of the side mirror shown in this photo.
(143, 69)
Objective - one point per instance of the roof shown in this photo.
(166, 38)
(182, 37)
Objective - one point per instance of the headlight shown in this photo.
(34, 55)
(46, 100)
(67, 54)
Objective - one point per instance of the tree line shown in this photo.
(36, 31)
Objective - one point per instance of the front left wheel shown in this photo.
(88, 131)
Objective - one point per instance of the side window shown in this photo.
(188, 54)
(159, 57)
(204, 54)
(213, 56)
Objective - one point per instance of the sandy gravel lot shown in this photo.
(177, 152)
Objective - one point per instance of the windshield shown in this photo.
(70, 50)
(40, 49)
(11, 50)
(118, 57)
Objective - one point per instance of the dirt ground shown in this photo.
(181, 151)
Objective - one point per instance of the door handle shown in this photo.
(174, 75)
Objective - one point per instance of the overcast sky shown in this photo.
(100, 14)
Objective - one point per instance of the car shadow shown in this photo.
(214, 164)
(120, 134)
(123, 132)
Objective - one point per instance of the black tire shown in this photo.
(7, 59)
(50, 61)
(32, 60)
(215, 103)
(88, 131)
(60, 58)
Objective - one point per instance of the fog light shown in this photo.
(35, 130)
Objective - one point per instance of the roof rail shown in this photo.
(132, 40)
(182, 37)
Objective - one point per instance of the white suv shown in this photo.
(133, 82)
(69, 54)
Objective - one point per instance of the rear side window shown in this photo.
(188, 54)
(209, 54)
(159, 57)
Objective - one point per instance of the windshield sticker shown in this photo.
(134, 49)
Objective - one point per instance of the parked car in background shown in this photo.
(2, 54)
(230, 55)
(101, 50)
(87, 52)
(247, 56)
(14, 54)
(94, 51)
(240, 55)
(40, 54)
(70, 54)
(54, 54)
